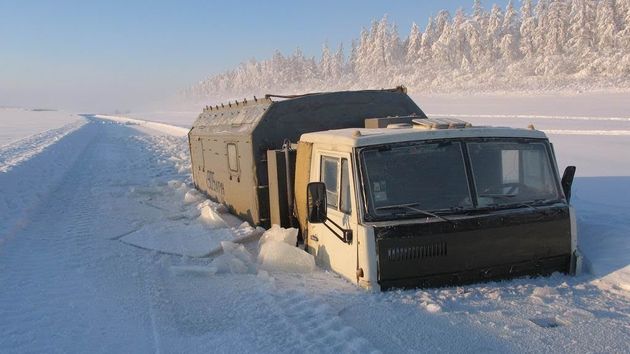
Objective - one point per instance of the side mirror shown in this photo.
(316, 202)
(567, 181)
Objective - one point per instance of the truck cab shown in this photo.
(433, 202)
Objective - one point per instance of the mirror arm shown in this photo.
(347, 234)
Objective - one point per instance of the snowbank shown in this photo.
(18, 151)
(160, 127)
(21, 123)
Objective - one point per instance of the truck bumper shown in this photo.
(542, 267)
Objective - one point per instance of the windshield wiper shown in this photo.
(534, 204)
(411, 206)
(500, 196)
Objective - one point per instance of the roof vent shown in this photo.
(440, 123)
(398, 126)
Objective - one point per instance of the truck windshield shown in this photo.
(512, 173)
(429, 176)
(433, 178)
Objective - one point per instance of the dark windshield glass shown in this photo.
(512, 172)
(423, 176)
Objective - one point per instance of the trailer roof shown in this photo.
(303, 113)
(365, 137)
(237, 117)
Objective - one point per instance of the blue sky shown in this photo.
(106, 55)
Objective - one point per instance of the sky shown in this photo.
(102, 56)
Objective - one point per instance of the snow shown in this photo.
(278, 252)
(114, 250)
(558, 45)
(182, 221)
(160, 127)
(26, 133)
(20, 123)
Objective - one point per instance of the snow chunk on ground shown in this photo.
(279, 253)
(193, 240)
(280, 256)
(234, 260)
(277, 233)
(211, 217)
(192, 196)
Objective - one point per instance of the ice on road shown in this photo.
(87, 265)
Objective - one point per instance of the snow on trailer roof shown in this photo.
(366, 136)
(312, 112)
(234, 117)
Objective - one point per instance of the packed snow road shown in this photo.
(86, 265)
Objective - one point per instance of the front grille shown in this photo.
(410, 253)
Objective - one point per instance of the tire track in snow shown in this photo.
(314, 325)
(65, 286)
(35, 287)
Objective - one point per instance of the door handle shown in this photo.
(314, 238)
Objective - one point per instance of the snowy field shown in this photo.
(20, 123)
(105, 247)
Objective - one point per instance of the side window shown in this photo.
(232, 157)
(328, 175)
(345, 204)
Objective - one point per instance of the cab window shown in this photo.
(329, 175)
(335, 174)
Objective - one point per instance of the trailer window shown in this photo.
(329, 175)
(232, 157)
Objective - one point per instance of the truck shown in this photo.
(385, 196)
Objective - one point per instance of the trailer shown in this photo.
(230, 144)
(385, 196)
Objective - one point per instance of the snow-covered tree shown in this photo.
(441, 21)
(443, 48)
(606, 25)
(325, 64)
(414, 44)
(428, 38)
(477, 45)
(510, 28)
(338, 63)
(581, 32)
(479, 14)
(527, 30)
(623, 36)
(555, 27)
(494, 32)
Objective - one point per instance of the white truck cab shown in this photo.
(426, 205)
